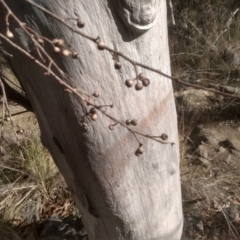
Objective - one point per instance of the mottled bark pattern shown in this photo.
(120, 196)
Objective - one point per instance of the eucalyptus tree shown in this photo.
(91, 72)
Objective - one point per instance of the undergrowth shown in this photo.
(32, 188)
(205, 48)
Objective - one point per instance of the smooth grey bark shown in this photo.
(120, 196)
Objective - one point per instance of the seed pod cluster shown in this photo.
(93, 110)
(40, 41)
(80, 23)
(133, 122)
(117, 65)
(144, 80)
(58, 42)
(129, 82)
(141, 82)
(9, 34)
(111, 126)
(75, 54)
(56, 50)
(94, 117)
(93, 113)
(139, 86)
(58, 47)
(164, 136)
(96, 94)
(101, 45)
(66, 52)
(139, 151)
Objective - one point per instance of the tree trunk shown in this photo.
(120, 195)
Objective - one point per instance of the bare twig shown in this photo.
(67, 82)
(229, 22)
(171, 12)
(135, 63)
(73, 90)
(6, 109)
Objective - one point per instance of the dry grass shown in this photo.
(31, 187)
(211, 190)
(196, 46)
(198, 41)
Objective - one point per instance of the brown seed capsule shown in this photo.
(96, 94)
(60, 43)
(54, 41)
(139, 151)
(80, 23)
(145, 82)
(56, 49)
(75, 54)
(66, 52)
(101, 45)
(9, 34)
(139, 86)
(128, 122)
(117, 65)
(134, 122)
(40, 41)
(94, 117)
(93, 110)
(111, 126)
(164, 136)
(142, 76)
(129, 82)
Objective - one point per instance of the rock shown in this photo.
(221, 136)
(203, 152)
(221, 144)
(197, 222)
(232, 213)
(194, 99)
(195, 104)
(57, 229)
(194, 224)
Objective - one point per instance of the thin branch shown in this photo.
(15, 96)
(6, 109)
(171, 12)
(62, 21)
(64, 80)
(229, 22)
(135, 63)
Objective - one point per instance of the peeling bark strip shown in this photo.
(134, 198)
